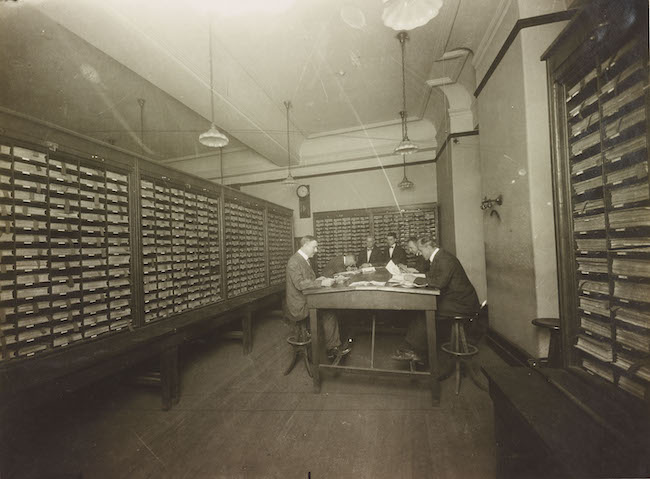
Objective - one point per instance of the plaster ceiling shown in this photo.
(83, 63)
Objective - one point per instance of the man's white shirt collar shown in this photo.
(433, 255)
(304, 255)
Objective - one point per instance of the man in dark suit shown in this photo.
(371, 255)
(338, 264)
(394, 252)
(301, 276)
(457, 296)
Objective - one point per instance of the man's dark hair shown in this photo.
(392, 234)
(412, 238)
(427, 241)
(306, 239)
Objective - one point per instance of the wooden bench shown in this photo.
(556, 425)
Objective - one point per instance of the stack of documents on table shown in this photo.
(392, 268)
(367, 283)
(400, 278)
(346, 274)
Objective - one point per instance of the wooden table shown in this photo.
(376, 298)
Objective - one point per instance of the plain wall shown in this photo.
(446, 200)
(468, 224)
(515, 162)
(367, 189)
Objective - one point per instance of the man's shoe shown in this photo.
(339, 351)
(406, 355)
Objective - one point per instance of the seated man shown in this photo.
(371, 255)
(394, 252)
(301, 276)
(457, 297)
(338, 264)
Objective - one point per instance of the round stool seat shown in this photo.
(549, 323)
(296, 342)
(554, 359)
(471, 350)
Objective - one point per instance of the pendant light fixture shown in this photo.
(405, 184)
(289, 180)
(213, 137)
(409, 14)
(406, 146)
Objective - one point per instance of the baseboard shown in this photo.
(509, 352)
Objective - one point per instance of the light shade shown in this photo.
(405, 184)
(409, 14)
(406, 147)
(213, 138)
(289, 180)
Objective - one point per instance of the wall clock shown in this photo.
(303, 201)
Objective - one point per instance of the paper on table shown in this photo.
(367, 283)
(392, 268)
(368, 269)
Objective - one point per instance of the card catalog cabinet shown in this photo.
(180, 248)
(88, 246)
(598, 73)
(345, 231)
(280, 241)
(65, 245)
(244, 230)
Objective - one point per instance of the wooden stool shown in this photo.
(554, 359)
(461, 350)
(300, 342)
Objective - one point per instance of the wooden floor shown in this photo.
(239, 417)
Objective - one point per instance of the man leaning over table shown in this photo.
(301, 276)
(421, 264)
(339, 264)
(457, 297)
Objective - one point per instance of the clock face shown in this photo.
(302, 191)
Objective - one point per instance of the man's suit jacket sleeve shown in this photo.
(440, 272)
(399, 255)
(299, 277)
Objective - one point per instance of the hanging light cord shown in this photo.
(287, 104)
(221, 163)
(211, 87)
(402, 39)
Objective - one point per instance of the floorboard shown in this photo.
(239, 417)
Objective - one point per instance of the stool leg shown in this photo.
(474, 377)
(307, 365)
(457, 330)
(452, 342)
(463, 339)
(468, 363)
(294, 360)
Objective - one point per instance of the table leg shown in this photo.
(247, 329)
(315, 348)
(433, 356)
(168, 376)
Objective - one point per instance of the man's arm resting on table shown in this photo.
(300, 281)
